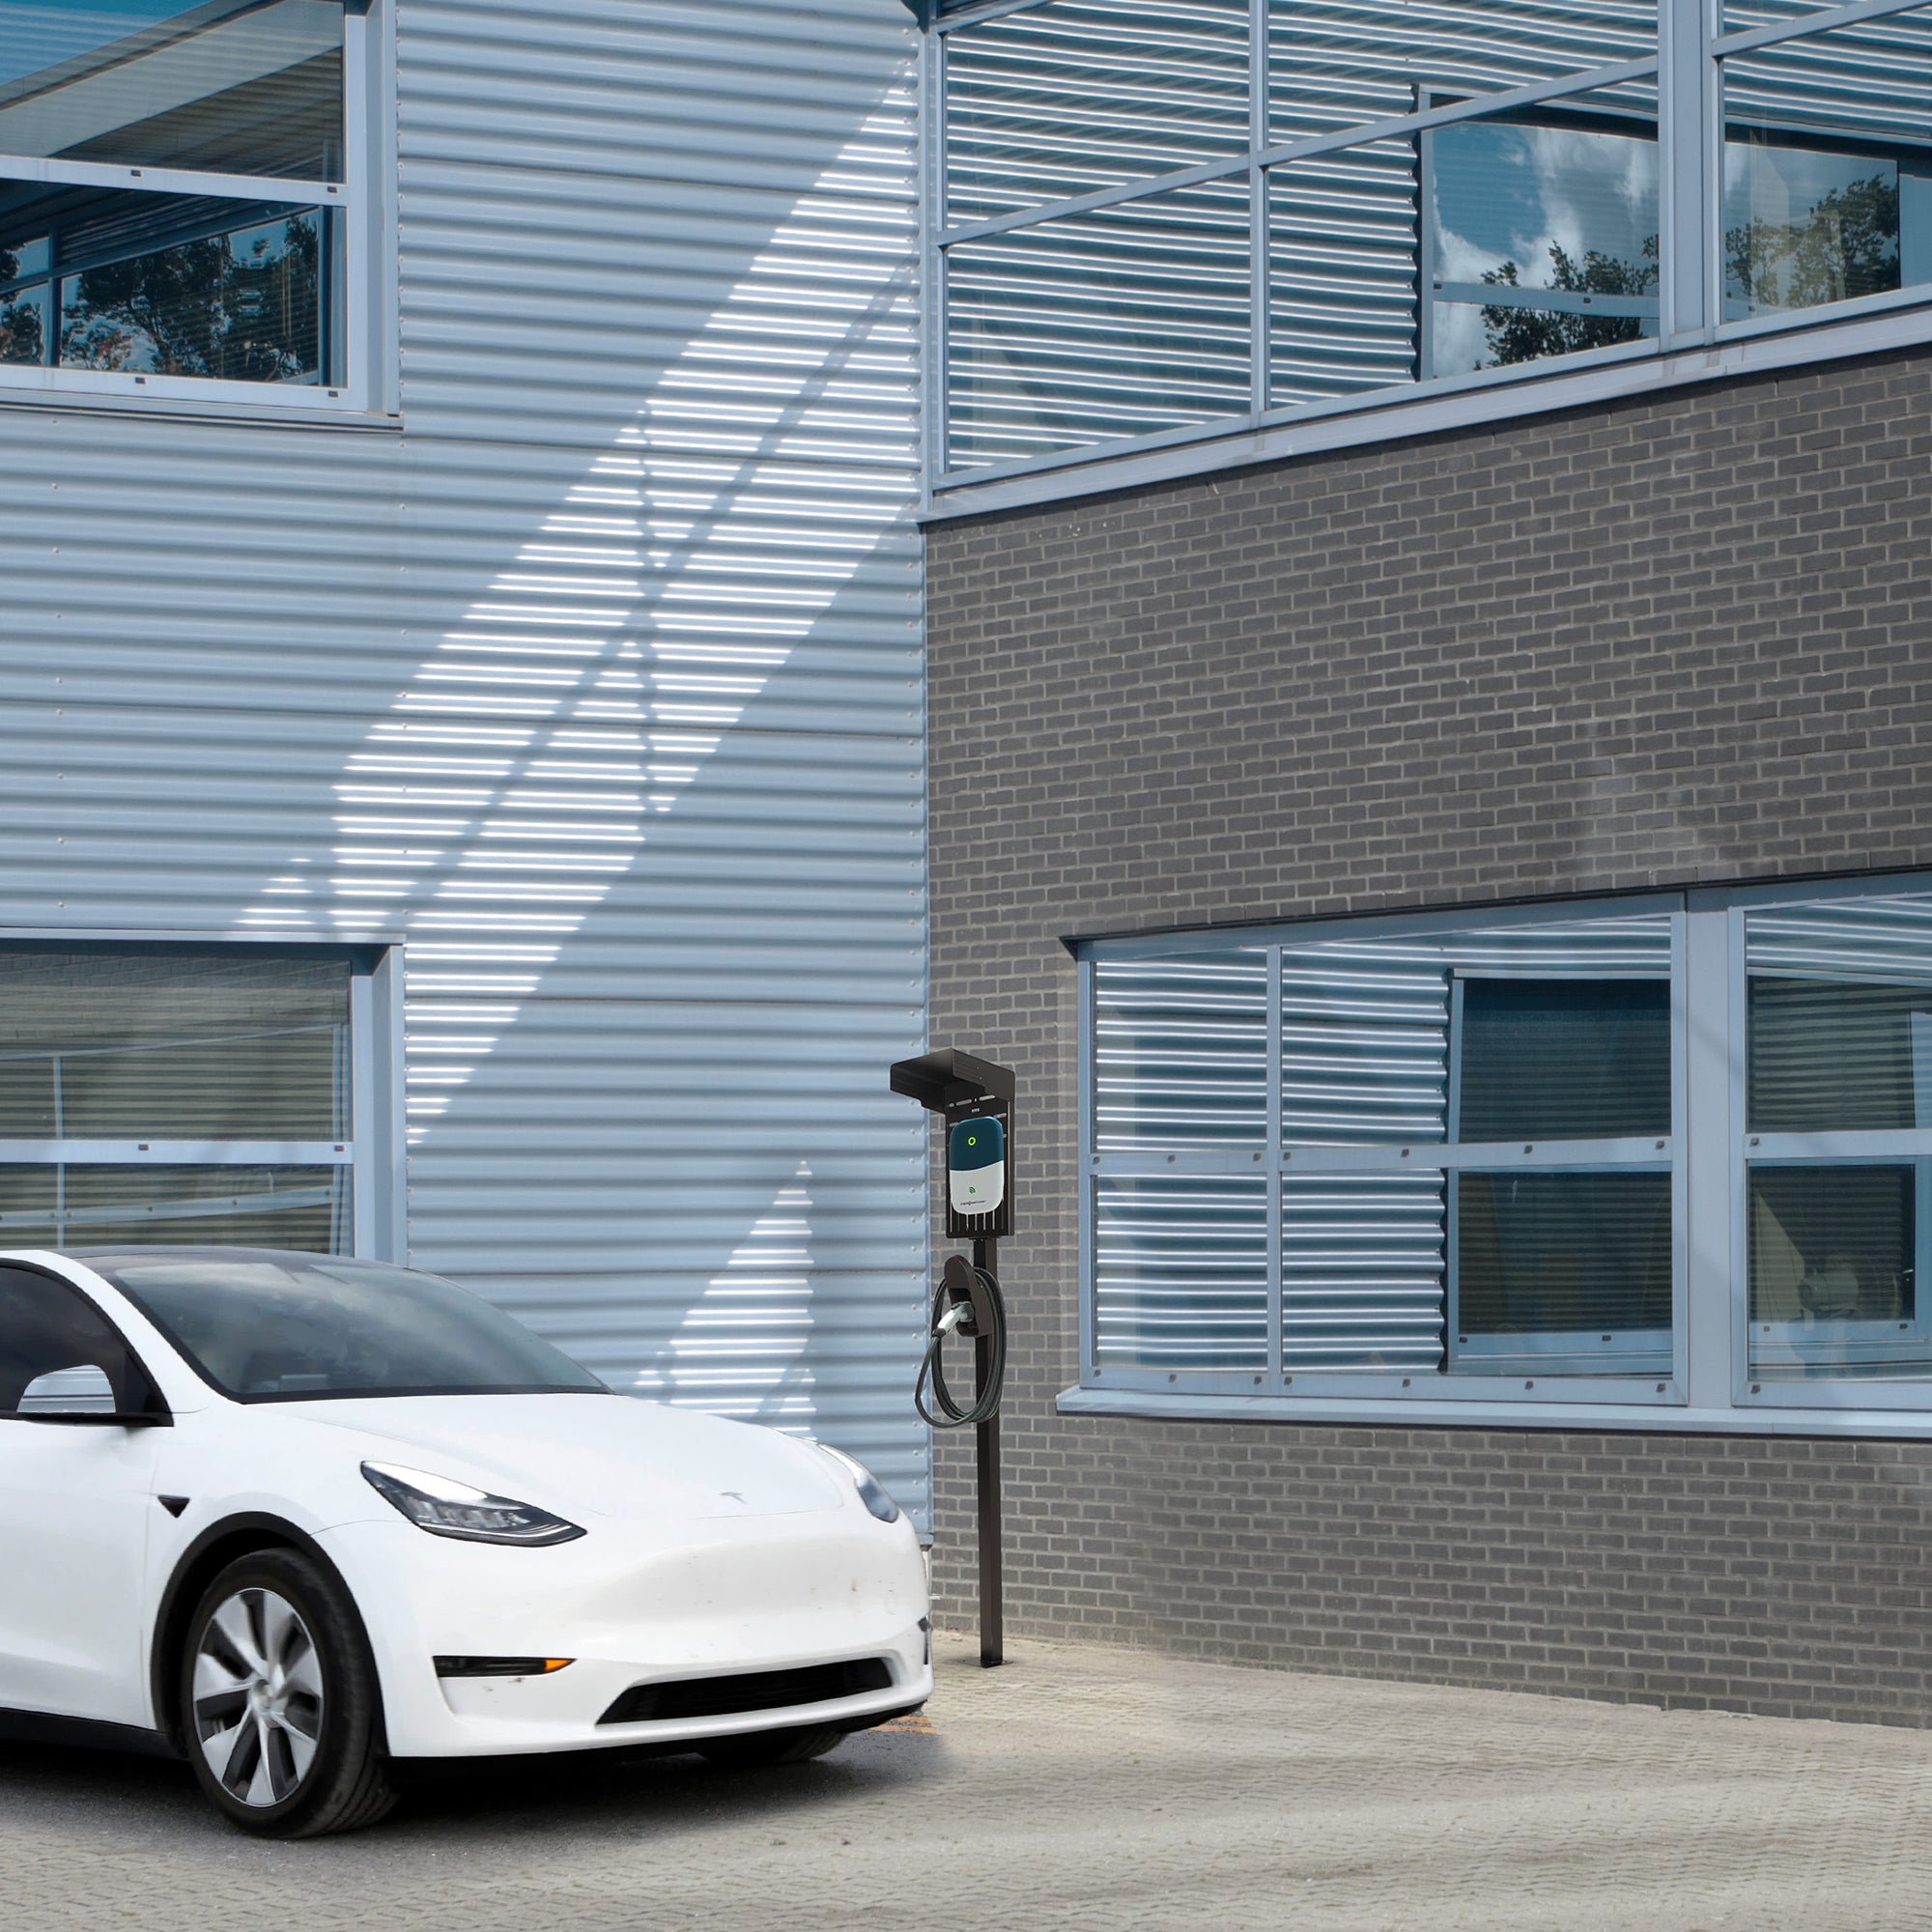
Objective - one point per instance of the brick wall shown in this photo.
(1679, 641)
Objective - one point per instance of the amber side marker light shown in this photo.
(500, 1666)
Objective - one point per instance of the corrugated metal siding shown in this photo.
(601, 680)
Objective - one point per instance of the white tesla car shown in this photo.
(296, 1517)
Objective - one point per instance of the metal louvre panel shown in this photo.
(1362, 1271)
(1879, 939)
(601, 682)
(1343, 273)
(1180, 1275)
(1058, 99)
(1341, 63)
(1364, 1046)
(1121, 322)
(1181, 1052)
(1869, 79)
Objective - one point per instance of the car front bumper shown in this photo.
(631, 1604)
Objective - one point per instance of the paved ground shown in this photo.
(1078, 1787)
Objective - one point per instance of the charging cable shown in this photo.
(968, 1301)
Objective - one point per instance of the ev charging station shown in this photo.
(974, 1099)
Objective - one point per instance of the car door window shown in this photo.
(48, 1328)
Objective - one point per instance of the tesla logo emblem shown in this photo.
(732, 1493)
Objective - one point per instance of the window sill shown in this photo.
(1423, 1413)
(183, 400)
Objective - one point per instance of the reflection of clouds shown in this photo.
(1563, 189)
(1598, 191)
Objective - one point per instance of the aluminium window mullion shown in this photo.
(1260, 246)
(1686, 140)
(935, 391)
(357, 1097)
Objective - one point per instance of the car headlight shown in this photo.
(871, 1492)
(445, 1508)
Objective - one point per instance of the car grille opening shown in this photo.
(749, 1690)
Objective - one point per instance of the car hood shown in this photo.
(602, 1455)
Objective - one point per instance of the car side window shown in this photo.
(49, 1328)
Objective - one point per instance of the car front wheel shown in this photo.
(279, 1710)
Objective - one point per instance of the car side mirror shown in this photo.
(81, 1394)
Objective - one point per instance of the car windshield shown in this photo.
(264, 1326)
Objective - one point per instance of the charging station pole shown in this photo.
(987, 1468)
(974, 1099)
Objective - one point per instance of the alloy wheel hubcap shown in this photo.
(258, 1697)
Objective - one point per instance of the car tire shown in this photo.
(756, 1749)
(279, 1711)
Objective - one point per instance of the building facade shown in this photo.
(1434, 812)
(461, 646)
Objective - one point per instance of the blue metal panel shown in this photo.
(599, 679)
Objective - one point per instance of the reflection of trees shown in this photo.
(245, 306)
(1845, 244)
(20, 338)
(1525, 334)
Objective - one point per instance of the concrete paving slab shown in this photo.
(1080, 1787)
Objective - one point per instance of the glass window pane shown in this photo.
(178, 285)
(1121, 322)
(24, 323)
(1181, 1052)
(1825, 1055)
(1564, 1058)
(1828, 167)
(1362, 1277)
(1840, 1016)
(1344, 297)
(1834, 1272)
(171, 1046)
(234, 87)
(1571, 1271)
(1335, 64)
(1057, 101)
(1537, 231)
(81, 1207)
(1180, 1274)
(1542, 237)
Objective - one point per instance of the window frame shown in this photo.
(1693, 342)
(372, 1148)
(363, 308)
(1710, 1388)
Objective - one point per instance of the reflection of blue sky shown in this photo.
(36, 34)
(1784, 184)
(1509, 193)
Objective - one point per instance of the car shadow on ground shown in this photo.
(582, 1794)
